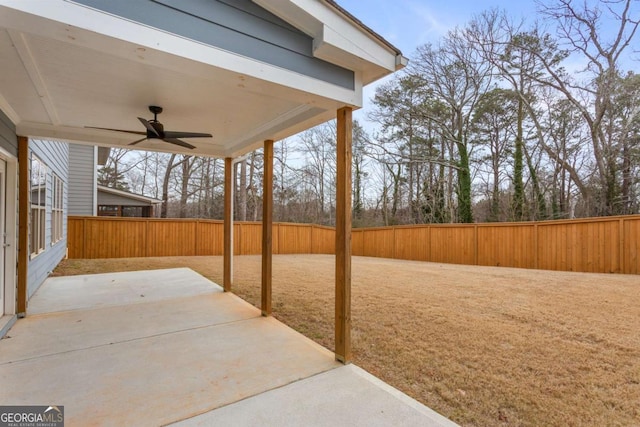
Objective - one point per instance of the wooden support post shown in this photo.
(343, 236)
(23, 225)
(228, 225)
(267, 228)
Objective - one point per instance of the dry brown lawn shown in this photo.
(483, 346)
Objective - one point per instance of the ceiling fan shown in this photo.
(155, 130)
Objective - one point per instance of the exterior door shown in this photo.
(3, 235)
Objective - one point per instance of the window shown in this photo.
(57, 209)
(108, 210)
(38, 181)
(133, 211)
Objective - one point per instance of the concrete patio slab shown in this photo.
(161, 379)
(187, 353)
(103, 290)
(51, 333)
(344, 396)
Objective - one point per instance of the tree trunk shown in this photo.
(357, 185)
(165, 186)
(495, 197)
(252, 188)
(539, 212)
(518, 186)
(465, 213)
(242, 194)
(627, 179)
(184, 188)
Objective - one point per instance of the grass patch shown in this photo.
(484, 346)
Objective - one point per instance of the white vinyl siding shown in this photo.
(8, 138)
(55, 158)
(81, 184)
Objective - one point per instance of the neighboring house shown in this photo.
(88, 198)
(114, 202)
(248, 72)
(83, 180)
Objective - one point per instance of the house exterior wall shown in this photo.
(8, 138)
(238, 26)
(9, 148)
(55, 155)
(82, 180)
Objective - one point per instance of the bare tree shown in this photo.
(241, 169)
(454, 74)
(493, 121)
(318, 148)
(578, 29)
(114, 172)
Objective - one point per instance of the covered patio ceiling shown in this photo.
(67, 66)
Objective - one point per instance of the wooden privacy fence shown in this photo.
(106, 237)
(598, 245)
(603, 245)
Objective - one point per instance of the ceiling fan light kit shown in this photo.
(155, 130)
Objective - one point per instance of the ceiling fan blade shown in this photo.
(176, 141)
(136, 142)
(118, 130)
(149, 127)
(169, 134)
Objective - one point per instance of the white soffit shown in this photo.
(27, 16)
(67, 66)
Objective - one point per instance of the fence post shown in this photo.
(394, 243)
(280, 239)
(475, 236)
(237, 238)
(84, 238)
(429, 242)
(195, 238)
(275, 242)
(621, 250)
(535, 244)
(146, 237)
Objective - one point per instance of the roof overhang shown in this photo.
(67, 66)
(340, 38)
(126, 194)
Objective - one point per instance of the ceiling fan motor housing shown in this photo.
(158, 127)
